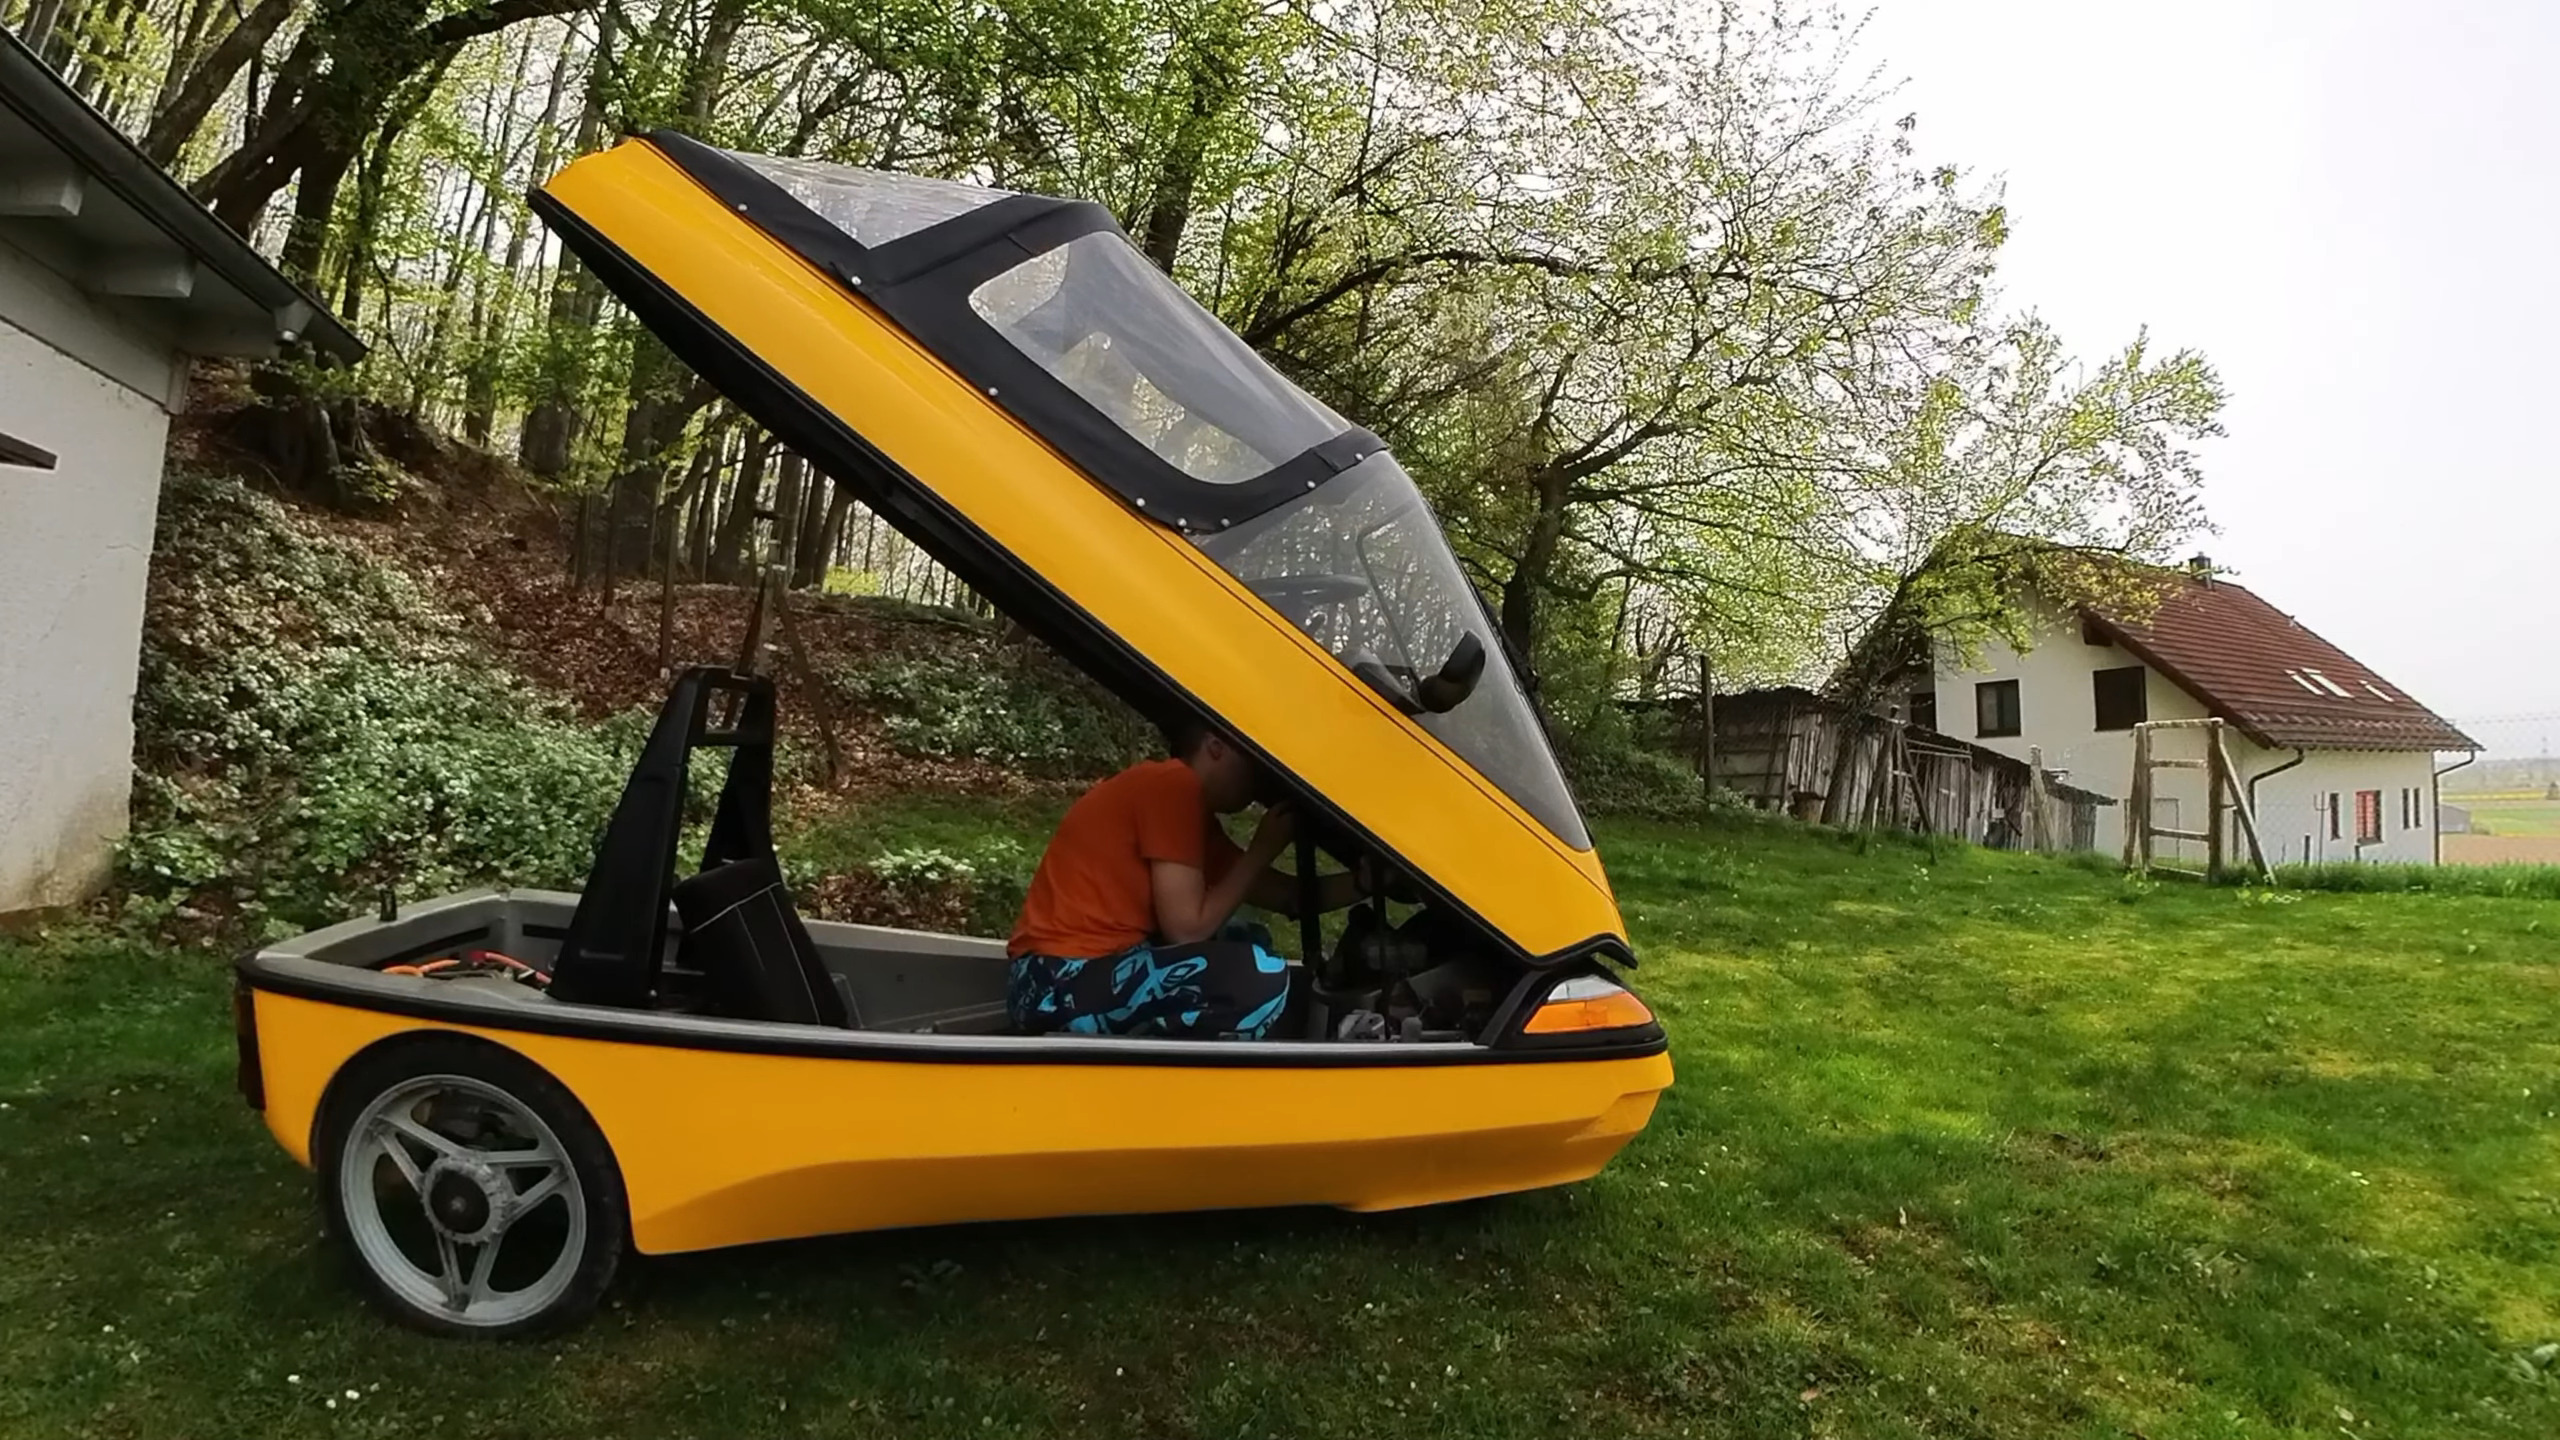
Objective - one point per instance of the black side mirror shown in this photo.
(1374, 673)
(1457, 679)
(1435, 694)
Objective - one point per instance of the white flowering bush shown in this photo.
(1012, 705)
(311, 726)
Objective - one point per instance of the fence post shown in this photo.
(2039, 823)
(1706, 726)
(2137, 818)
(2217, 789)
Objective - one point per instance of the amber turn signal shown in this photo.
(1588, 1002)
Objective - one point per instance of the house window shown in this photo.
(2091, 634)
(2334, 833)
(1995, 708)
(2368, 817)
(2123, 696)
(1924, 709)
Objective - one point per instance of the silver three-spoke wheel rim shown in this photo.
(462, 1201)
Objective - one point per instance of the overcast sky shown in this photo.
(2353, 208)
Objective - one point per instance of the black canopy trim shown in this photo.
(922, 282)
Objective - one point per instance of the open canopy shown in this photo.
(1044, 308)
(1194, 428)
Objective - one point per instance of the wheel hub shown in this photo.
(466, 1201)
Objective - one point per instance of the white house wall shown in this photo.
(75, 550)
(2057, 711)
(2292, 806)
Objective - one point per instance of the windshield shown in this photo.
(1360, 564)
(1111, 327)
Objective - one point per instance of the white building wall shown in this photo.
(75, 551)
(2057, 705)
(2057, 712)
(2293, 806)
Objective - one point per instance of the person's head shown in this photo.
(1227, 773)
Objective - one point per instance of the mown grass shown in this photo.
(1961, 1145)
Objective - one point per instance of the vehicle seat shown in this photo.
(743, 934)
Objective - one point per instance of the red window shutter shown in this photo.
(2368, 817)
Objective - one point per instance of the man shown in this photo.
(1126, 929)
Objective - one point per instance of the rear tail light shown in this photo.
(1587, 1002)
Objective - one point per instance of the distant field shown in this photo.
(2502, 849)
(2507, 828)
(2522, 815)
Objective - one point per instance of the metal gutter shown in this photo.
(31, 89)
(2435, 800)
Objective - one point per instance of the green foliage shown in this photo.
(309, 726)
(1613, 774)
(1012, 704)
(984, 887)
(938, 863)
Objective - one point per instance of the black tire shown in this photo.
(378, 1075)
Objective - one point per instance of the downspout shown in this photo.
(2299, 755)
(2435, 798)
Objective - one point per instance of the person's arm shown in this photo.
(1277, 892)
(1189, 909)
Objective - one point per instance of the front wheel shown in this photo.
(469, 1189)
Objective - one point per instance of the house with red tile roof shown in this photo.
(2340, 763)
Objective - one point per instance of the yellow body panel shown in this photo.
(1143, 583)
(719, 1148)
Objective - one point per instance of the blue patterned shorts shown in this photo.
(1231, 988)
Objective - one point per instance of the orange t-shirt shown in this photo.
(1093, 893)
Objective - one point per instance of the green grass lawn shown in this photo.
(1961, 1145)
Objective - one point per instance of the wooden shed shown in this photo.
(1789, 749)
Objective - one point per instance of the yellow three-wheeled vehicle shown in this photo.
(1007, 379)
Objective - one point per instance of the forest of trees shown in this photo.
(1692, 350)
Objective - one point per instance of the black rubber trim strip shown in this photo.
(1033, 223)
(249, 1074)
(826, 441)
(598, 1023)
(1346, 450)
(922, 282)
(1601, 947)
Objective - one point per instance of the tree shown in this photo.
(353, 63)
(1690, 351)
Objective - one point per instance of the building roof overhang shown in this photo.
(81, 200)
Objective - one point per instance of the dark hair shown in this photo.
(1183, 734)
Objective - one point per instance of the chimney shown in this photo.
(2201, 567)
